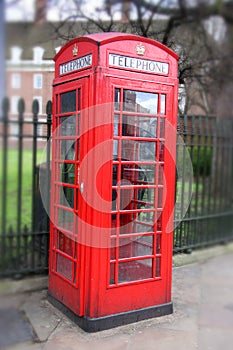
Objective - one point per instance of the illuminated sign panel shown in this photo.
(139, 64)
(77, 64)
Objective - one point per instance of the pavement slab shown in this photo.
(202, 317)
(43, 320)
(13, 327)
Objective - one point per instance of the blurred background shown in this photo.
(32, 32)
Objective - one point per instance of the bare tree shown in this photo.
(182, 25)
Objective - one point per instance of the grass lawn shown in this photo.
(11, 202)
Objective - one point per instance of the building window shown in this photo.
(14, 104)
(16, 81)
(38, 54)
(16, 54)
(14, 130)
(39, 130)
(39, 99)
(37, 81)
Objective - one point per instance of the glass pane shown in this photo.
(160, 198)
(137, 198)
(79, 118)
(161, 152)
(148, 197)
(68, 101)
(112, 274)
(64, 267)
(65, 244)
(79, 99)
(68, 149)
(159, 221)
(135, 270)
(66, 219)
(117, 99)
(162, 104)
(140, 102)
(67, 197)
(158, 267)
(136, 175)
(139, 126)
(67, 173)
(142, 227)
(135, 246)
(136, 223)
(138, 150)
(161, 175)
(162, 128)
(116, 125)
(115, 149)
(68, 126)
(113, 249)
(158, 244)
(146, 218)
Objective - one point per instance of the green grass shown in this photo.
(11, 201)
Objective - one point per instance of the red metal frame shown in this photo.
(113, 258)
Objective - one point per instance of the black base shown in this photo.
(106, 322)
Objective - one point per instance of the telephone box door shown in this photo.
(69, 104)
(140, 254)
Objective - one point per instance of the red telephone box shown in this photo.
(113, 179)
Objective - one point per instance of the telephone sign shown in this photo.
(113, 179)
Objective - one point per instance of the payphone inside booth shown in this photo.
(113, 179)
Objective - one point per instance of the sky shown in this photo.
(24, 9)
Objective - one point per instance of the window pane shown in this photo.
(67, 173)
(68, 102)
(66, 219)
(135, 270)
(16, 81)
(37, 81)
(67, 149)
(163, 104)
(64, 267)
(65, 244)
(162, 127)
(138, 174)
(68, 126)
(139, 126)
(67, 197)
(117, 99)
(138, 150)
(140, 102)
(136, 223)
(112, 274)
(135, 246)
(161, 152)
(115, 149)
(158, 267)
(116, 125)
(158, 244)
(136, 198)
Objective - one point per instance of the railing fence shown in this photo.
(24, 231)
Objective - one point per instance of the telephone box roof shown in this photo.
(105, 38)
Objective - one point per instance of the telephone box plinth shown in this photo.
(113, 179)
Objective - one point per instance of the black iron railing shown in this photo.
(204, 193)
(24, 227)
(209, 218)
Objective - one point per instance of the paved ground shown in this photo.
(202, 318)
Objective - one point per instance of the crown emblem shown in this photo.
(75, 50)
(140, 49)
